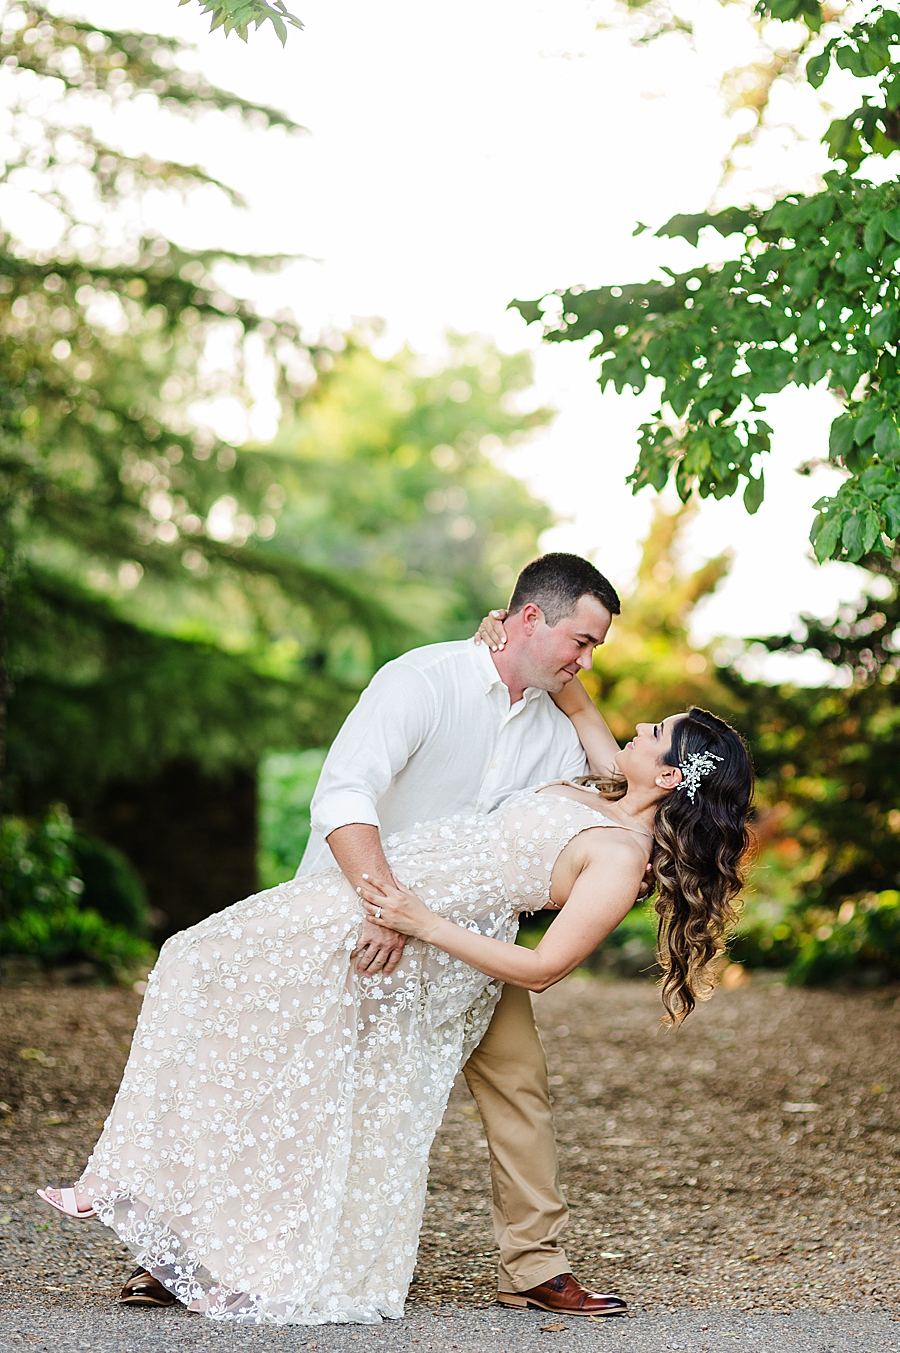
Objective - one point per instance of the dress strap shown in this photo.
(593, 788)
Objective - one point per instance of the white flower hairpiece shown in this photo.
(693, 768)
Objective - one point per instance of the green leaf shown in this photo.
(866, 423)
(856, 266)
(891, 91)
(235, 16)
(871, 530)
(728, 222)
(892, 223)
(840, 439)
(887, 439)
(860, 533)
(873, 235)
(843, 142)
(852, 536)
(858, 459)
(817, 68)
(530, 311)
(891, 509)
(883, 328)
(825, 534)
(805, 281)
(754, 493)
(785, 9)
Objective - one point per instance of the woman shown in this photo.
(267, 1153)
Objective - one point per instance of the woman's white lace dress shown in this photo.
(267, 1153)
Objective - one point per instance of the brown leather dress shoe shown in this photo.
(142, 1289)
(564, 1295)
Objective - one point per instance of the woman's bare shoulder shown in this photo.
(602, 844)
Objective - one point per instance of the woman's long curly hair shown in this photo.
(701, 844)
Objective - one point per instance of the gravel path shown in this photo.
(704, 1186)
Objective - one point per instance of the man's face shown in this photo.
(556, 653)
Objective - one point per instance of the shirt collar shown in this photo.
(488, 674)
(484, 666)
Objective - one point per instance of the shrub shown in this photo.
(862, 947)
(111, 887)
(46, 911)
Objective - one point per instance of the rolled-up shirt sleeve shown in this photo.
(577, 763)
(394, 715)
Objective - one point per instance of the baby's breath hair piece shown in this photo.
(693, 768)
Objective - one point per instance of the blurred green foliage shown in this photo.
(865, 941)
(287, 782)
(829, 762)
(819, 901)
(68, 900)
(388, 473)
(164, 593)
(128, 533)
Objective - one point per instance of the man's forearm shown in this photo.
(357, 849)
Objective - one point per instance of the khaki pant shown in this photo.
(507, 1074)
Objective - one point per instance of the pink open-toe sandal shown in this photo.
(68, 1204)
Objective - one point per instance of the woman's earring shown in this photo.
(659, 781)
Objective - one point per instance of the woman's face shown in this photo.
(641, 759)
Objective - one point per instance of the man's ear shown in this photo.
(531, 617)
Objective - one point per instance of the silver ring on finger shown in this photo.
(377, 913)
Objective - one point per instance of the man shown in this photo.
(455, 728)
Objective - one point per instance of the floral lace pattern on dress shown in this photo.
(266, 1156)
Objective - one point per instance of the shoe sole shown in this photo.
(517, 1303)
(143, 1301)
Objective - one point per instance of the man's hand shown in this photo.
(648, 883)
(378, 949)
(357, 849)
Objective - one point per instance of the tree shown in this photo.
(813, 296)
(124, 522)
(832, 754)
(170, 597)
(823, 900)
(389, 472)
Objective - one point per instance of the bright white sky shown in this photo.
(459, 155)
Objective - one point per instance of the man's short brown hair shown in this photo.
(556, 582)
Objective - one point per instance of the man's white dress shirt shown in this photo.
(433, 734)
